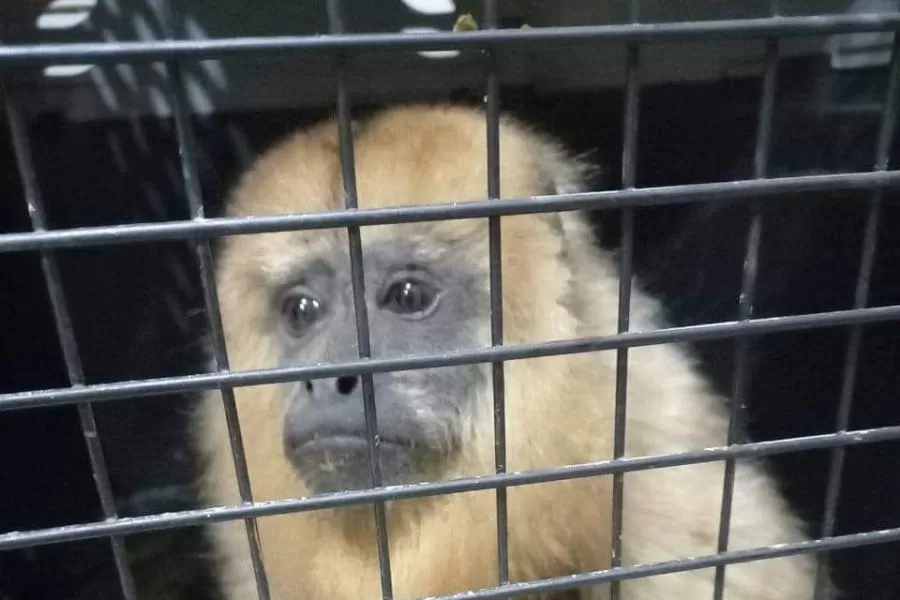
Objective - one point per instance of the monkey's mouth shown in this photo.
(339, 461)
(349, 442)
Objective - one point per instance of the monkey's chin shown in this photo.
(340, 463)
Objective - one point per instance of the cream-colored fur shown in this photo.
(556, 285)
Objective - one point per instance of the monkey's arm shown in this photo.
(674, 512)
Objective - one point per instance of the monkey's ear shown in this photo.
(567, 174)
(566, 182)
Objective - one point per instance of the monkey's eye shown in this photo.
(410, 297)
(299, 311)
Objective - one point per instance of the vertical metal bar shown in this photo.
(496, 282)
(861, 298)
(348, 177)
(745, 302)
(62, 319)
(626, 265)
(187, 152)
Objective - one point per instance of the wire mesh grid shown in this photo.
(490, 40)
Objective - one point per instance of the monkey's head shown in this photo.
(287, 298)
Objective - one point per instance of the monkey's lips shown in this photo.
(339, 461)
(348, 442)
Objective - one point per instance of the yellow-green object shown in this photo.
(465, 22)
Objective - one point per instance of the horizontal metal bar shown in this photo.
(204, 516)
(610, 199)
(207, 381)
(556, 584)
(41, 54)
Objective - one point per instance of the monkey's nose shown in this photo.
(346, 384)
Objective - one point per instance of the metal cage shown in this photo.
(491, 41)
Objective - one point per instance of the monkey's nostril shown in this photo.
(346, 384)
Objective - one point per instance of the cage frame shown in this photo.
(199, 229)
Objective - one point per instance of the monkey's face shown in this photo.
(287, 297)
(418, 302)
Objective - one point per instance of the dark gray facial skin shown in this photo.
(416, 305)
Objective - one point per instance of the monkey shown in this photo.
(286, 300)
